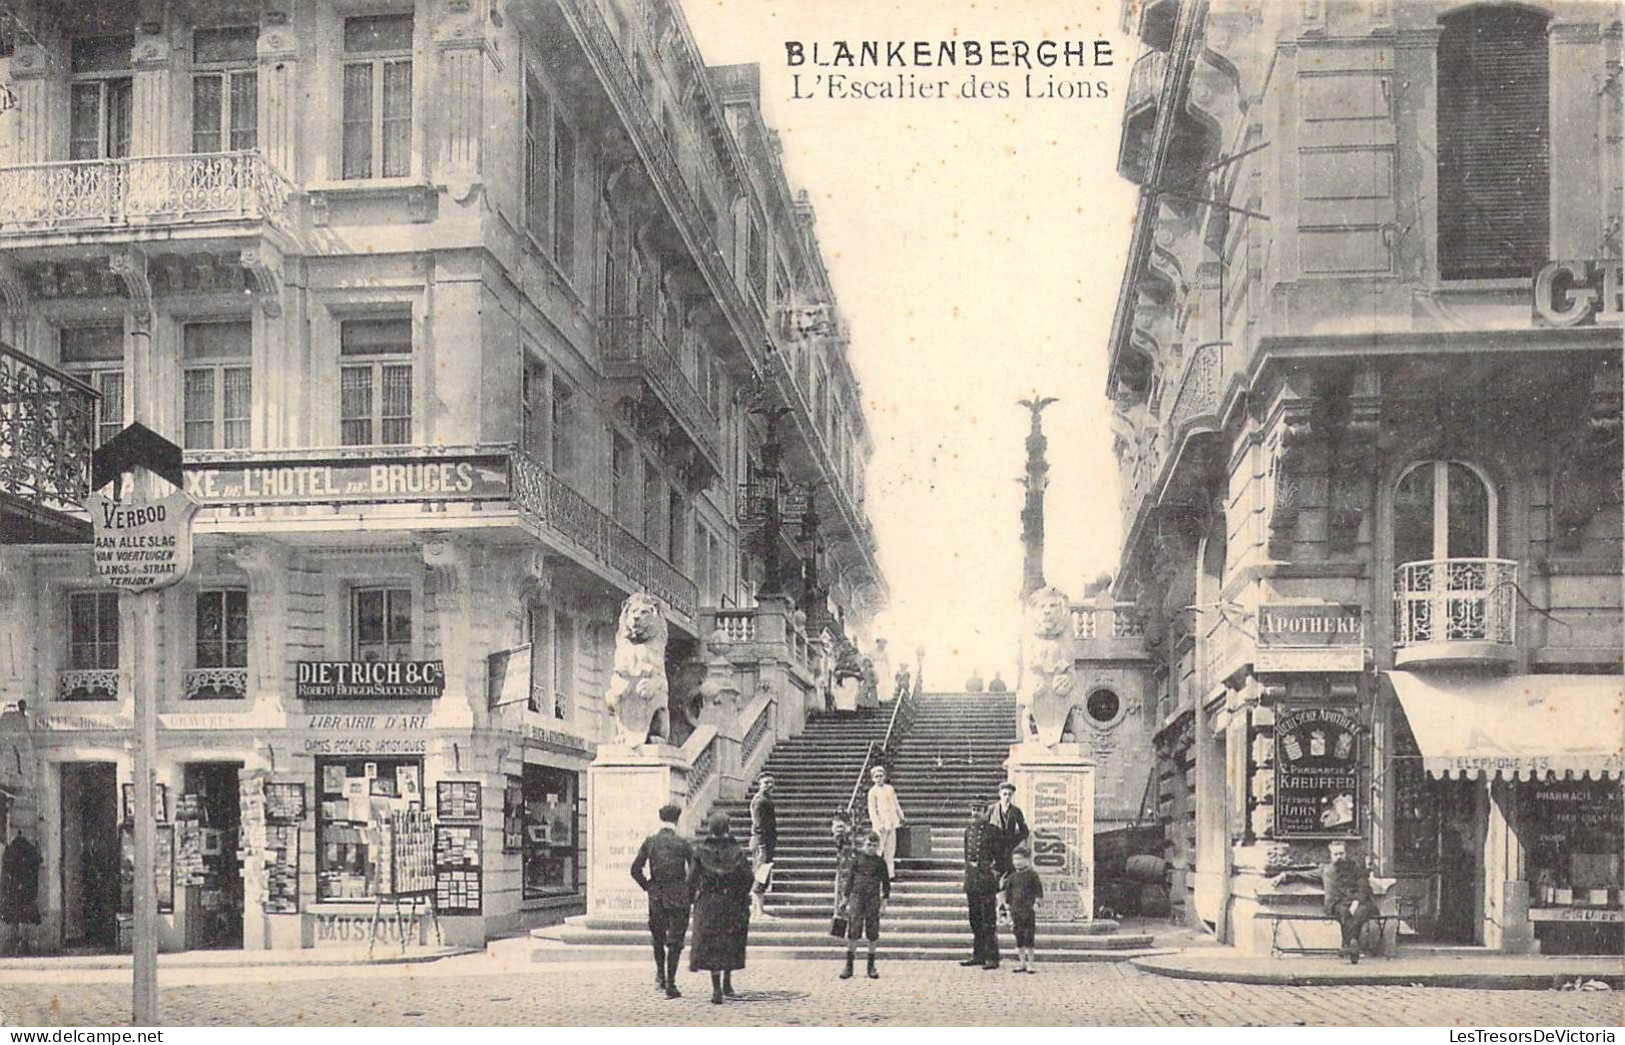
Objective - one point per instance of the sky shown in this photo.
(976, 248)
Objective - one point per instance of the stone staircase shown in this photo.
(953, 756)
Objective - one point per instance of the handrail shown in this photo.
(902, 718)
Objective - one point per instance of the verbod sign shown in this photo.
(1575, 293)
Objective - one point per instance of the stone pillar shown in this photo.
(451, 565)
(465, 52)
(625, 789)
(279, 94)
(1578, 111)
(35, 71)
(151, 125)
(1056, 786)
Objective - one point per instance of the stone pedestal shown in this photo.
(626, 788)
(1055, 786)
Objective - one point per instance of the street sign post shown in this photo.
(141, 545)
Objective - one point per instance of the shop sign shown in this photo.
(1324, 637)
(74, 721)
(538, 736)
(378, 680)
(1575, 293)
(363, 928)
(468, 477)
(365, 734)
(1317, 773)
(141, 544)
(1576, 914)
(193, 721)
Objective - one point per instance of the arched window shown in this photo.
(1443, 510)
(1494, 159)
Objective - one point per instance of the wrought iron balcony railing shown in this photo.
(146, 190)
(555, 503)
(47, 421)
(632, 348)
(217, 684)
(89, 684)
(1454, 601)
(1199, 386)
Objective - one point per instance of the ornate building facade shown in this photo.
(472, 319)
(1365, 373)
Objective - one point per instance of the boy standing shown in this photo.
(670, 860)
(1025, 889)
(866, 897)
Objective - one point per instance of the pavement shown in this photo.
(481, 990)
(67, 967)
(1482, 971)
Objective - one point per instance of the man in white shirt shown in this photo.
(885, 816)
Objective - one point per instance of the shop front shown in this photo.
(548, 823)
(1507, 810)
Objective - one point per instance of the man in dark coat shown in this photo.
(764, 843)
(669, 858)
(19, 893)
(1348, 897)
(981, 891)
(1009, 828)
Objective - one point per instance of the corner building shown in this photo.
(1365, 372)
(471, 319)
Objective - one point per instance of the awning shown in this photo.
(1525, 726)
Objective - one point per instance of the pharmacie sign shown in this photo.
(468, 477)
(141, 544)
(1580, 293)
(379, 680)
(1317, 773)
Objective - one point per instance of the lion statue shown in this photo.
(1046, 691)
(638, 689)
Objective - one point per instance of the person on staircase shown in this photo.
(670, 860)
(1009, 828)
(840, 830)
(720, 884)
(867, 893)
(981, 891)
(998, 684)
(885, 817)
(764, 843)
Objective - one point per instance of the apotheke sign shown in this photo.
(1298, 627)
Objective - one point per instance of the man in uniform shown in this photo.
(764, 841)
(981, 891)
(669, 858)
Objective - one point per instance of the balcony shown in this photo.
(216, 684)
(1140, 114)
(1455, 611)
(88, 684)
(632, 349)
(45, 204)
(46, 420)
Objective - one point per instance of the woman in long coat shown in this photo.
(720, 883)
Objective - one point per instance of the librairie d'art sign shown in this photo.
(376, 680)
(466, 477)
(1317, 773)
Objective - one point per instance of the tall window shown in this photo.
(93, 630)
(100, 98)
(673, 550)
(375, 381)
(95, 355)
(225, 105)
(532, 407)
(1443, 510)
(623, 493)
(1494, 157)
(654, 508)
(222, 628)
(550, 174)
(217, 396)
(563, 406)
(381, 624)
(377, 96)
(539, 628)
(756, 260)
(702, 565)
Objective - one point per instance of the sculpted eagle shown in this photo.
(638, 688)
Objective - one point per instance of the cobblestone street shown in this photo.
(476, 991)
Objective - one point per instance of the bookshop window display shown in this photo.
(549, 839)
(357, 797)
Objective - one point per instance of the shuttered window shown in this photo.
(1494, 161)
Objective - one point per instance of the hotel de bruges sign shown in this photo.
(465, 477)
(1326, 637)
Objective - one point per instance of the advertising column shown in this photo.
(1056, 786)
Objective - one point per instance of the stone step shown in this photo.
(787, 933)
(1100, 933)
(829, 951)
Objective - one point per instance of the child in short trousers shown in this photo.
(866, 896)
(1025, 889)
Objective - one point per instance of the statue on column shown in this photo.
(1047, 686)
(638, 687)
